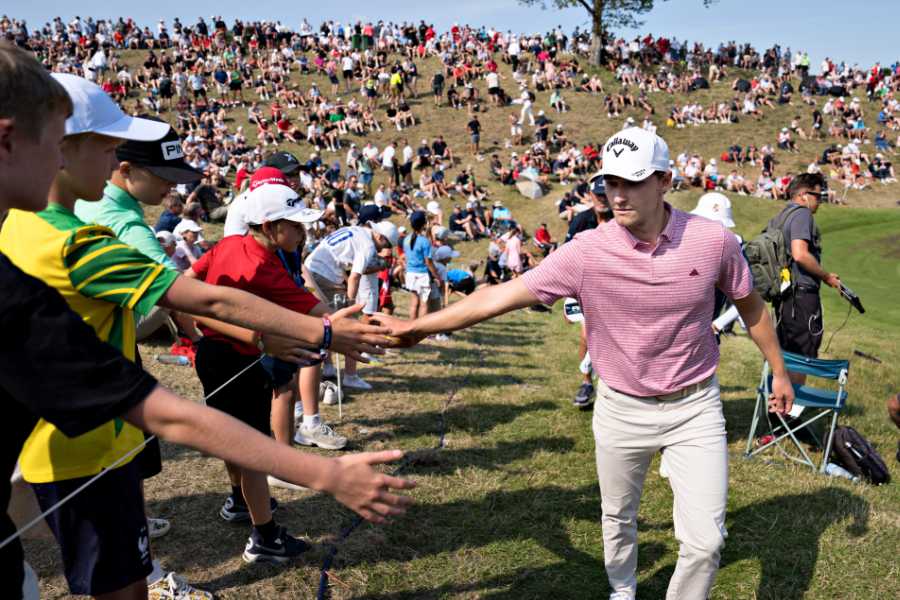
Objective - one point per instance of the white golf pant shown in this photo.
(691, 433)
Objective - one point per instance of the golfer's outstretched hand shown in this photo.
(402, 334)
(357, 485)
(353, 338)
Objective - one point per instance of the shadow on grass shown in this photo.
(787, 554)
(470, 418)
(443, 462)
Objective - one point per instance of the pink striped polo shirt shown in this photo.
(648, 310)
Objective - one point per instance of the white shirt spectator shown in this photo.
(347, 248)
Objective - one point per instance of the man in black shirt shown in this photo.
(800, 326)
(474, 127)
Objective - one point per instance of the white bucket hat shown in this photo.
(716, 207)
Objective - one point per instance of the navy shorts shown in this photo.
(102, 532)
(249, 397)
(281, 372)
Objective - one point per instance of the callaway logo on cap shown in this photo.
(634, 154)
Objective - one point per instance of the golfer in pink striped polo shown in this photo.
(646, 282)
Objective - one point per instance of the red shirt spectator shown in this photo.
(239, 261)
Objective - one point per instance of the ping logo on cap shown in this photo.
(292, 202)
(619, 141)
(171, 150)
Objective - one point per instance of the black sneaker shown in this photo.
(584, 399)
(236, 511)
(280, 549)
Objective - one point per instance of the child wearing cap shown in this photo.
(187, 252)
(355, 249)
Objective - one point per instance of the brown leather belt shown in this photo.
(684, 392)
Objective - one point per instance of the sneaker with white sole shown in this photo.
(285, 485)
(320, 435)
(157, 527)
(621, 596)
(236, 510)
(584, 399)
(355, 382)
(279, 550)
(174, 587)
(328, 395)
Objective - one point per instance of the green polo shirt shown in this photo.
(122, 213)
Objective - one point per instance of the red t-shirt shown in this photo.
(239, 261)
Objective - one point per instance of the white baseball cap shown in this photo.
(187, 225)
(433, 207)
(387, 229)
(716, 207)
(273, 202)
(443, 253)
(165, 238)
(634, 154)
(93, 111)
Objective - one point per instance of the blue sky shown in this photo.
(863, 33)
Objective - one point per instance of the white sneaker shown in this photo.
(621, 596)
(285, 485)
(157, 528)
(442, 337)
(355, 382)
(373, 360)
(174, 587)
(328, 395)
(321, 435)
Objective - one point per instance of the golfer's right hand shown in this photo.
(351, 338)
(355, 484)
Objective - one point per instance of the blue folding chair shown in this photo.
(822, 403)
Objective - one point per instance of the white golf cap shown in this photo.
(273, 202)
(443, 253)
(93, 111)
(634, 154)
(433, 207)
(187, 225)
(387, 229)
(716, 207)
(166, 238)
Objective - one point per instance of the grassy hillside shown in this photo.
(510, 508)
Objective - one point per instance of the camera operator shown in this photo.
(799, 312)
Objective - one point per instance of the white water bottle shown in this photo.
(838, 471)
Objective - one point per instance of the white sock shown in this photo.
(310, 421)
(157, 573)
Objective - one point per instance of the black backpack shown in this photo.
(854, 452)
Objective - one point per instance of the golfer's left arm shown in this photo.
(759, 325)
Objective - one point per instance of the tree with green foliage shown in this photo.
(605, 14)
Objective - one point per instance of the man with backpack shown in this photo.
(799, 308)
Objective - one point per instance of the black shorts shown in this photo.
(405, 169)
(249, 397)
(438, 90)
(348, 74)
(234, 86)
(333, 79)
(494, 91)
(102, 532)
(800, 325)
